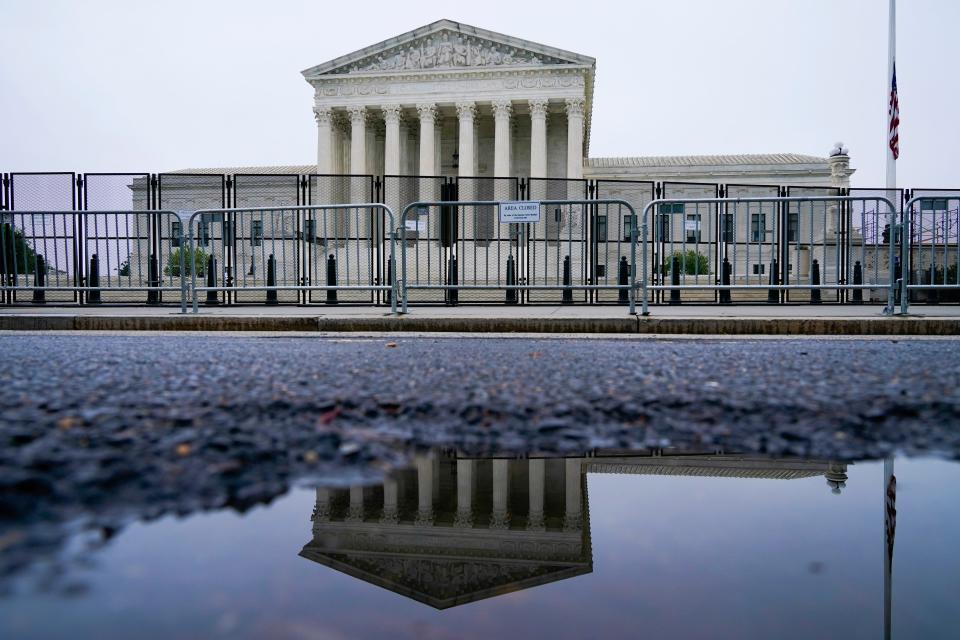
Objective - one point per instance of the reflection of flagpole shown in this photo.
(889, 531)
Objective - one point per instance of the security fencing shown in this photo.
(563, 251)
(777, 249)
(328, 254)
(929, 235)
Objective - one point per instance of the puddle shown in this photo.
(615, 544)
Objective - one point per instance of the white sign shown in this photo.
(514, 212)
(420, 226)
(691, 225)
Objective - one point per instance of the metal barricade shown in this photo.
(578, 251)
(787, 249)
(279, 255)
(90, 257)
(930, 241)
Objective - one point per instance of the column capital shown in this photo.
(502, 108)
(358, 114)
(323, 114)
(575, 106)
(538, 108)
(391, 113)
(466, 110)
(427, 111)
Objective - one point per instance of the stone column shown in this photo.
(355, 514)
(464, 493)
(537, 471)
(575, 138)
(466, 116)
(501, 138)
(538, 148)
(428, 137)
(391, 152)
(499, 519)
(424, 490)
(573, 516)
(390, 512)
(358, 154)
(323, 116)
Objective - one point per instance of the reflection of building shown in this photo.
(454, 530)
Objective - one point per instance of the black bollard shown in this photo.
(389, 282)
(331, 279)
(271, 280)
(725, 271)
(453, 296)
(623, 279)
(857, 279)
(39, 280)
(153, 277)
(675, 279)
(897, 275)
(773, 296)
(567, 281)
(93, 280)
(815, 279)
(212, 297)
(511, 279)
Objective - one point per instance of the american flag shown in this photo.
(894, 112)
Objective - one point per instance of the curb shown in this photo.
(896, 326)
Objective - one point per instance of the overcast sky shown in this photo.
(153, 86)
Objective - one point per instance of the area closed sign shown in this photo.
(514, 212)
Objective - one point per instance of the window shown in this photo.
(726, 228)
(663, 228)
(203, 232)
(758, 269)
(692, 227)
(600, 232)
(175, 229)
(256, 233)
(627, 228)
(758, 227)
(933, 204)
(793, 227)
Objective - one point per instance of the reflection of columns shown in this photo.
(424, 490)
(464, 493)
(355, 514)
(501, 138)
(323, 116)
(321, 511)
(538, 138)
(501, 492)
(536, 469)
(390, 513)
(572, 517)
(575, 138)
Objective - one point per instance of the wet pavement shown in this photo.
(107, 438)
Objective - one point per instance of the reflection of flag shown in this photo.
(890, 515)
(893, 111)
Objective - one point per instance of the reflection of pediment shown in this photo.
(447, 45)
(446, 582)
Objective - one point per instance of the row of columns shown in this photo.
(500, 516)
(466, 115)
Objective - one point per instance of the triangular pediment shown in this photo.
(447, 45)
(446, 582)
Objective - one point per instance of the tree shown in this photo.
(16, 254)
(198, 264)
(692, 263)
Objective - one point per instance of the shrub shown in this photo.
(16, 255)
(692, 263)
(198, 264)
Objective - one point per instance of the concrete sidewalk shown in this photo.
(940, 320)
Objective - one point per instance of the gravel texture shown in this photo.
(97, 431)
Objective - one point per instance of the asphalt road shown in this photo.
(112, 428)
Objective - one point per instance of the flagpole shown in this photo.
(891, 66)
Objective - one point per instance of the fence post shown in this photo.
(675, 279)
(93, 295)
(511, 279)
(815, 277)
(153, 276)
(725, 272)
(212, 298)
(567, 297)
(331, 279)
(773, 295)
(389, 298)
(857, 279)
(623, 279)
(271, 280)
(39, 280)
(452, 294)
